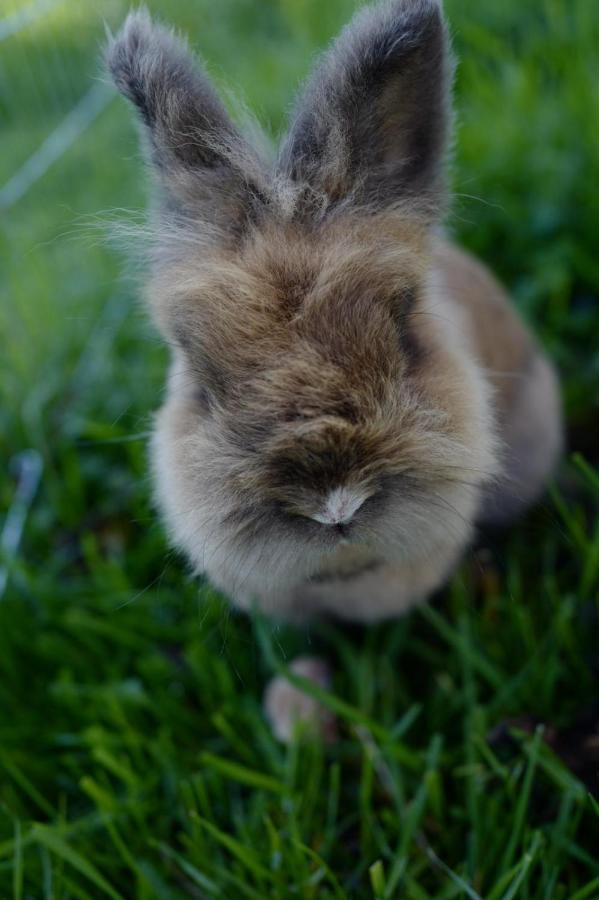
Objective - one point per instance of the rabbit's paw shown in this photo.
(290, 709)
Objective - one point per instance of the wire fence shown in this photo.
(15, 21)
(50, 98)
(49, 88)
(56, 144)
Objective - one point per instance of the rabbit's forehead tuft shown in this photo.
(266, 281)
(281, 337)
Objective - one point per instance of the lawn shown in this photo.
(134, 757)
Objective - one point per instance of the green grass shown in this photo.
(134, 757)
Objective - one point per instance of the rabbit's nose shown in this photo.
(340, 506)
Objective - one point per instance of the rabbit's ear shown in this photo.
(198, 153)
(371, 127)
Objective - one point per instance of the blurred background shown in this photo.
(129, 695)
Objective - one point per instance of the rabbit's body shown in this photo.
(525, 389)
(349, 393)
(500, 470)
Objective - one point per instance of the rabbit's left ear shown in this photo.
(371, 127)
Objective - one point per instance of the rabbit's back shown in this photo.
(525, 388)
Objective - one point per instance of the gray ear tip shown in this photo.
(418, 8)
(412, 16)
(136, 50)
(123, 48)
(135, 30)
(421, 14)
(388, 28)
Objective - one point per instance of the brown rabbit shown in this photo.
(349, 393)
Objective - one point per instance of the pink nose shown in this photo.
(340, 506)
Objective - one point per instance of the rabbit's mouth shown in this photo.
(338, 534)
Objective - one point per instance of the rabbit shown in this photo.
(350, 394)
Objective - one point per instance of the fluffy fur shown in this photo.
(326, 342)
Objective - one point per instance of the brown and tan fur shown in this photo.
(349, 393)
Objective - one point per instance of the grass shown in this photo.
(134, 757)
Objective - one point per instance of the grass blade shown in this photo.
(49, 838)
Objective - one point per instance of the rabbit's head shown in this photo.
(317, 395)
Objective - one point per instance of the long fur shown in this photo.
(325, 341)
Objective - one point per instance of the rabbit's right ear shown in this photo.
(204, 165)
(371, 127)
